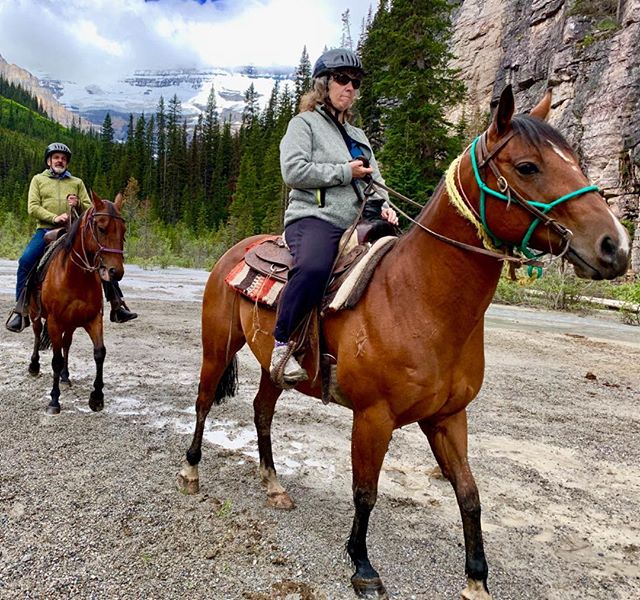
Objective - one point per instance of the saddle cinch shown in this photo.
(262, 274)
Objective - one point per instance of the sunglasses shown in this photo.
(344, 79)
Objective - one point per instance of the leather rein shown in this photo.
(480, 158)
(83, 257)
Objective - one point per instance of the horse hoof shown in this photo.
(280, 500)
(187, 485)
(34, 372)
(96, 404)
(369, 588)
(475, 590)
(53, 410)
(65, 380)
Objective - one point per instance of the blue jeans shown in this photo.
(30, 257)
(314, 246)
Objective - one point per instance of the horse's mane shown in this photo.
(537, 132)
(73, 232)
(71, 235)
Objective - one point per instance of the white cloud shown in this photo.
(102, 40)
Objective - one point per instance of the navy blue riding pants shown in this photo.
(314, 245)
(30, 257)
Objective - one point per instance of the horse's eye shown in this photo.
(527, 168)
(102, 229)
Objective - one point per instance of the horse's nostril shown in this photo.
(608, 247)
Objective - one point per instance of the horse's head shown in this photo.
(103, 231)
(537, 196)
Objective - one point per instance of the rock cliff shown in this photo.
(586, 51)
(54, 109)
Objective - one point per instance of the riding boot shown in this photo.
(19, 319)
(120, 312)
(17, 322)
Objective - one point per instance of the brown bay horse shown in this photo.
(412, 349)
(71, 294)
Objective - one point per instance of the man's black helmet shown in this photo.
(57, 147)
(338, 58)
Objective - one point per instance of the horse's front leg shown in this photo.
(94, 329)
(264, 405)
(448, 440)
(34, 365)
(370, 437)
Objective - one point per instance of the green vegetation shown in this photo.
(560, 289)
(406, 54)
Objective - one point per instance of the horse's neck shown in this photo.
(465, 279)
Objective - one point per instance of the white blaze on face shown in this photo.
(564, 156)
(624, 236)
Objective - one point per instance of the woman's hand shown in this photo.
(358, 170)
(388, 214)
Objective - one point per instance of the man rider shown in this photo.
(53, 195)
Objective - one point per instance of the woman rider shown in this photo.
(323, 159)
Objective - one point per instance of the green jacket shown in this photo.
(48, 196)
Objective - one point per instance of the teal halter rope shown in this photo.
(542, 207)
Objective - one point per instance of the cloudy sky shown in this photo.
(102, 40)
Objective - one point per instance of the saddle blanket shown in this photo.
(254, 285)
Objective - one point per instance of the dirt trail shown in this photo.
(88, 506)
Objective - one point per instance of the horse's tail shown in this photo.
(44, 343)
(228, 383)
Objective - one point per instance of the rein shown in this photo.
(84, 263)
(507, 193)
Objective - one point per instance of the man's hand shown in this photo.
(61, 219)
(358, 170)
(72, 200)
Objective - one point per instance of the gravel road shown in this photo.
(89, 507)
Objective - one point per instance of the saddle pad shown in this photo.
(254, 285)
(358, 278)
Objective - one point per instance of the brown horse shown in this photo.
(71, 294)
(412, 349)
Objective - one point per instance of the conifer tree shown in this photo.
(345, 40)
(302, 77)
(406, 56)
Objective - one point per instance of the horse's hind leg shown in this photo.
(448, 440)
(218, 379)
(66, 344)
(34, 365)
(57, 362)
(264, 405)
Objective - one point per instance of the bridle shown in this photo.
(507, 193)
(480, 158)
(83, 256)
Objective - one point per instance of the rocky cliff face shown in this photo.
(54, 109)
(586, 51)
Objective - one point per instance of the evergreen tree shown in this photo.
(406, 56)
(345, 40)
(302, 77)
(106, 147)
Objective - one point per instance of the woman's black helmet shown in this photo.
(338, 58)
(57, 147)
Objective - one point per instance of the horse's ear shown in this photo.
(119, 201)
(541, 110)
(502, 118)
(97, 201)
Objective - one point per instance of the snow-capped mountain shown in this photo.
(141, 92)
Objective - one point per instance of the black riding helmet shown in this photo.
(337, 58)
(57, 147)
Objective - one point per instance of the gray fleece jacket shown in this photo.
(314, 160)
